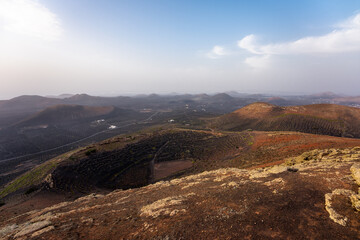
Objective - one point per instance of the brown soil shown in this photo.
(39, 201)
(166, 169)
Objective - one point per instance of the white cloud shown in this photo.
(344, 39)
(29, 17)
(249, 43)
(216, 52)
(352, 22)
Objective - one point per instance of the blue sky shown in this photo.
(130, 47)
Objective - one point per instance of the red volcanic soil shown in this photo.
(274, 146)
(257, 110)
(293, 143)
(269, 148)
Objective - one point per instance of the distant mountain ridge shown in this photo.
(35, 103)
(22, 107)
(325, 95)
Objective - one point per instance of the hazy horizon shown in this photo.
(233, 93)
(129, 47)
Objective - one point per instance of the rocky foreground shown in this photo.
(313, 196)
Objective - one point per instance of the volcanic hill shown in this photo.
(139, 159)
(277, 202)
(325, 119)
(64, 113)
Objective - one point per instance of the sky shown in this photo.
(125, 47)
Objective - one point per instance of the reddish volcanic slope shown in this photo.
(326, 119)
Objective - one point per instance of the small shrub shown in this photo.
(292, 169)
(31, 190)
(90, 151)
(73, 158)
